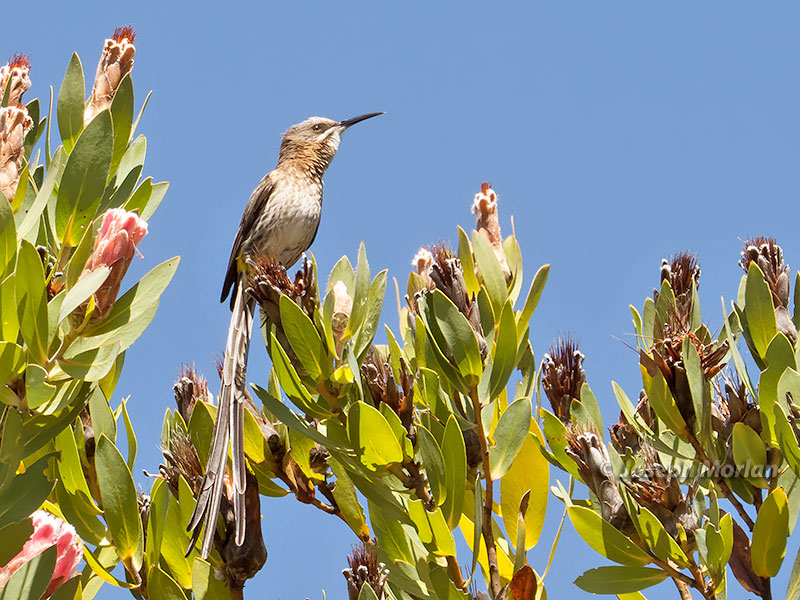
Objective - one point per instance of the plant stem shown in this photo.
(683, 589)
(486, 527)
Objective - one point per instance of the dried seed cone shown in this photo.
(14, 126)
(116, 61)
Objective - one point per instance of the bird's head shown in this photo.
(317, 138)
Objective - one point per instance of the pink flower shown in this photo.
(49, 530)
(114, 247)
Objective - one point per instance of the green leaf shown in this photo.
(25, 492)
(476, 520)
(528, 474)
(291, 384)
(537, 287)
(467, 264)
(103, 421)
(161, 586)
(304, 339)
(433, 462)
(14, 537)
(619, 580)
(82, 290)
(344, 492)
(137, 302)
(491, 272)
(509, 435)
(131, 436)
(663, 403)
(372, 315)
(38, 390)
(8, 237)
(700, 390)
(71, 590)
(455, 472)
(205, 585)
(84, 180)
(793, 588)
(769, 534)
(366, 592)
(30, 581)
(504, 357)
(32, 300)
(122, 119)
(120, 504)
(605, 539)
(12, 361)
(371, 434)
(748, 449)
(458, 336)
(70, 103)
(759, 310)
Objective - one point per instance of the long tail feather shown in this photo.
(228, 426)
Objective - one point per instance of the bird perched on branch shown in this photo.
(280, 222)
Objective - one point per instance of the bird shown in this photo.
(280, 222)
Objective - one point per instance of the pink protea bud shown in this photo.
(485, 209)
(116, 61)
(114, 247)
(14, 125)
(49, 530)
(17, 70)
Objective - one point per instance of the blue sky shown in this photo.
(615, 133)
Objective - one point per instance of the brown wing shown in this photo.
(258, 200)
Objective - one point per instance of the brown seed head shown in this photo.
(181, 460)
(190, 387)
(379, 377)
(563, 375)
(768, 255)
(363, 567)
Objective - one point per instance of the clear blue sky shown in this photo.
(615, 133)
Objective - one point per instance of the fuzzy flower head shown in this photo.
(114, 247)
(116, 61)
(16, 72)
(49, 530)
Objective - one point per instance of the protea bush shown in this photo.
(431, 439)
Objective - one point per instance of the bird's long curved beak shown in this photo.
(348, 122)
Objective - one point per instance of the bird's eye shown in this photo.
(317, 127)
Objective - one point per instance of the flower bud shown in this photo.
(14, 126)
(422, 263)
(48, 530)
(485, 209)
(342, 308)
(114, 247)
(16, 75)
(116, 61)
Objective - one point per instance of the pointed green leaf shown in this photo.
(759, 310)
(304, 339)
(81, 291)
(528, 474)
(433, 462)
(509, 435)
(455, 465)
(32, 300)
(769, 535)
(120, 504)
(371, 434)
(70, 103)
(84, 180)
(605, 539)
(619, 580)
(30, 581)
